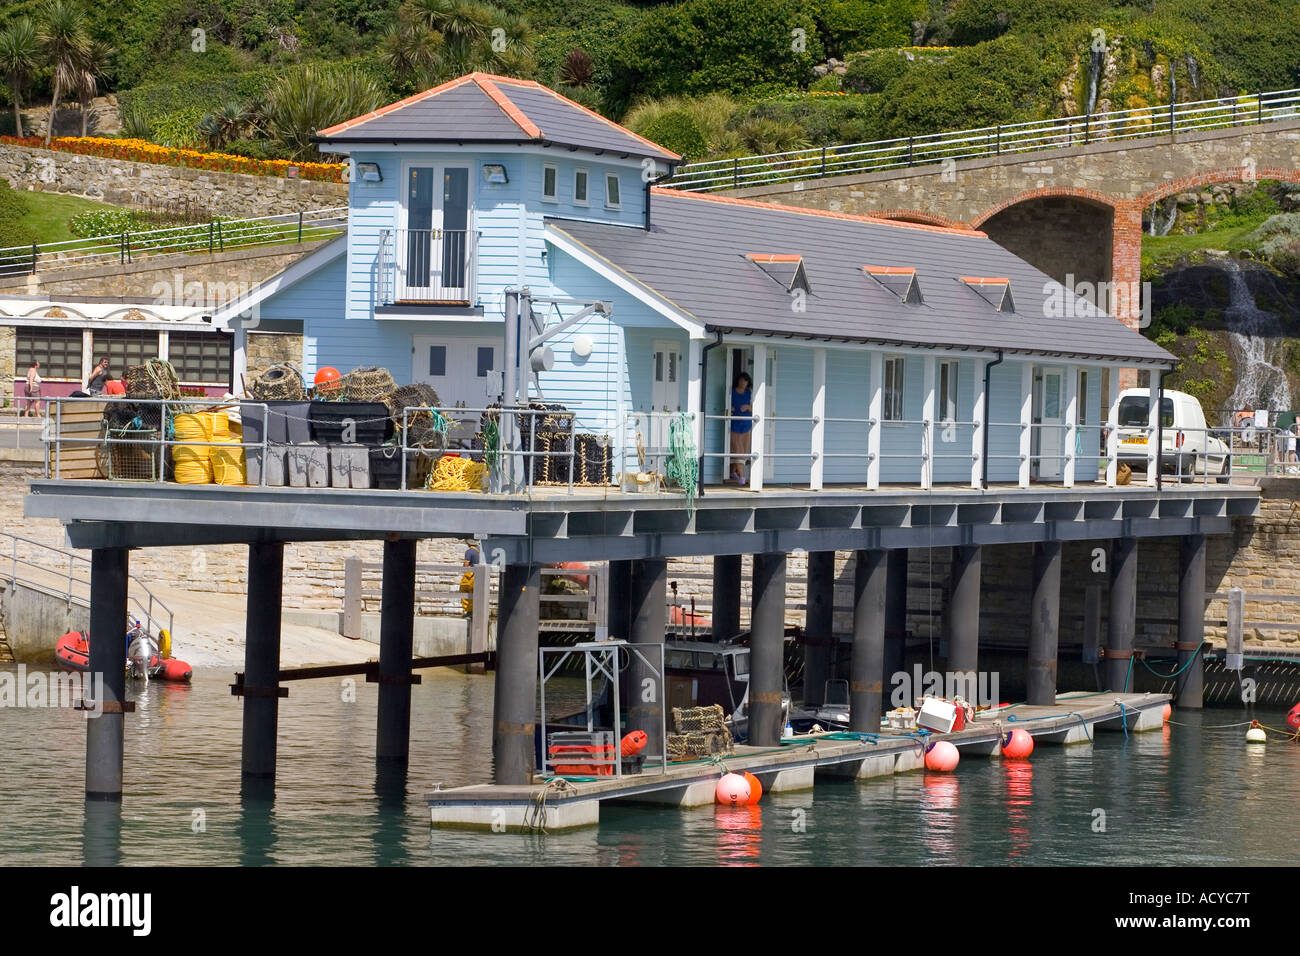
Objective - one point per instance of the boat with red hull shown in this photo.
(72, 651)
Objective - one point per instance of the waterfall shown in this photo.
(1194, 72)
(1257, 339)
(1096, 61)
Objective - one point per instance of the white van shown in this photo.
(1188, 449)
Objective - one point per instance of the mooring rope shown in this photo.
(683, 467)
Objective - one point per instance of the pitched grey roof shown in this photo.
(694, 256)
(481, 108)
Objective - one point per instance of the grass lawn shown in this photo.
(48, 214)
(1229, 235)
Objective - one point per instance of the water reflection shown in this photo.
(1018, 776)
(101, 833)
(740, 835)
(940, 793)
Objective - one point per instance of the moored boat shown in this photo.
(72, 651)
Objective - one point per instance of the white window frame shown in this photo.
(555, 196)
(585, 173)
(892, 393)
(618, 185)
(946, 383)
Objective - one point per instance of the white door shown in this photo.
(1049, 413)
(431, 256)
(459, 369)
(665, 391)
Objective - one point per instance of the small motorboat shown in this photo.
(143, 661)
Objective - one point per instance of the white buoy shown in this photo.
(1256, 735)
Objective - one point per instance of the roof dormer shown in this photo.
(995, 290)
(784, 268)
(900, 280)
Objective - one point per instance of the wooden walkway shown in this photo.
(560, 804)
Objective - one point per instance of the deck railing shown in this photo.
(428, 266)
(985, 141)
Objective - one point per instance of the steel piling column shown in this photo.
(819, 632)
(262, 659)
(619, 610)
(1190, 685)
(867, 665)
(645, 691)
(514, 708)
(396, 636)
(964, 612)
(1123, 613)
(726, 596)
(1044, 623)
(895, 615)
(108, 584)
(767, 650)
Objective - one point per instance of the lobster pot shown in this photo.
(128, 461)
(154, 379)
(551, 458)
(594, 459)
(696, 745)
(368, 384)
(708, 720)
(279, 382)
(228, 464)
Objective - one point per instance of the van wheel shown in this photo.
(1224, 475)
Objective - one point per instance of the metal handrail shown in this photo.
(210, 237)
(150, 609)
(1030, 136)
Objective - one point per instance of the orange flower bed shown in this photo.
(141, 151)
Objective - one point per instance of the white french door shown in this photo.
(1049, 415)
(432, 255)
(665, 390)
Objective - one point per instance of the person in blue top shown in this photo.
(742, 422)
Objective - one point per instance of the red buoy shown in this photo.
(755, 788)
(941, 756)
(732, 790)
(633, 743)
(1017, 744)
(1293, 718)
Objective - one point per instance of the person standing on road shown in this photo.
(33, 390)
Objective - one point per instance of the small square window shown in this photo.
(550, 183)
(485, 356)
(580, 187)
(437, 360)
(612, 192)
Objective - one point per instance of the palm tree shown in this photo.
(93, 67)
(226, 123)
(20, 55)
(312, 98)
(66, 44)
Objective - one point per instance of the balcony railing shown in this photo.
(427, 267)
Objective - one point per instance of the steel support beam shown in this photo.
(895, 617)
(726, 596)
(767, 650)
(867, 667)
(396, 637)
(1190, 684)
(514, 708)
(1123, 614)
(964, 610)
(1044, 623)
(620, 600)
(261, 690)
(819, 630)
(106, 679)
(645, 688)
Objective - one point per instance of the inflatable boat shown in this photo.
(72, 651)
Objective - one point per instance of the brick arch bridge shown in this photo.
(1073, 211)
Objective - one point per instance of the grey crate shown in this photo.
(276, 467)
(349, 466)
(308, 465)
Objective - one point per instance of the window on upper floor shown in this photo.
(613, 198)
(200, 356)
(580, 187)
(892, 390)
(947, 391)
(550, 183)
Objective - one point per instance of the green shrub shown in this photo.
(1278, 241)
(830, 83)
(179, 129)
(676, 130)
(872, 72)
(13, 231)
(252, 148)
(105, 222)
(852, 25)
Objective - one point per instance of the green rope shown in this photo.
(683, 467)
(491, 443)
(1190, 661)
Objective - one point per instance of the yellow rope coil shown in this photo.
(228, 467)
(456, 474)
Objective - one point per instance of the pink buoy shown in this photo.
(1168, 711)
(941, 756)
(732, 790)
(1018, 743)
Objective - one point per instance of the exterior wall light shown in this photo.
(582, 345)
(369, 173)
(495, 175)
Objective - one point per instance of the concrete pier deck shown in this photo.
(563, 804)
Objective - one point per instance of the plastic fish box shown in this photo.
(275, 465)
(349, 466)
(937, 715)
(308, 466)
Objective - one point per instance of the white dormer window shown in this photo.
(580, 187)
(613, 198)
(550, 183)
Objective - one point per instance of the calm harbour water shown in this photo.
(1188, 795)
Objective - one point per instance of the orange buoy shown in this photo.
(1293, 718)
(328, 379)
(1018, 743)
(941, 756)
(732, 790)
(755, 788)
(633, 743)
(1168, 711)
